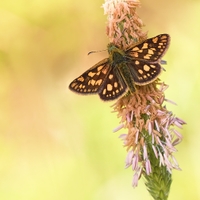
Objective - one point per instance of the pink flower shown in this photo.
(151, 128)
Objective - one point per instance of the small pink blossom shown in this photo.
(148, 167)
(118, 128)
(136, 176)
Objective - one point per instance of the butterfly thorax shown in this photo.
(116, 55)
(119, 61)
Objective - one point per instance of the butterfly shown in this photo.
(111, 77)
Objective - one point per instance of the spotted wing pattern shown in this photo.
(109, 77)
(144, 59)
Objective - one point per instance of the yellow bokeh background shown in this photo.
(55, 144)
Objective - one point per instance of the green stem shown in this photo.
(159, 181)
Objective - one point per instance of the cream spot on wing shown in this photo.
(145, 45)
(109, 87)
(91, 74)
(99, 68)
(147, 56)
(146, 68)
(153, 66)
(155, 40)
(98, 82)
(137, 62)
(81, 79)
(115, 84)
(140, 71)
(91, 82)
(150, 51)
(110, 76)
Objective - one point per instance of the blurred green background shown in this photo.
(55, 144)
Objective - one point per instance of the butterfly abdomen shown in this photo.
(127, 76)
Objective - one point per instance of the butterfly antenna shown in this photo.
(96, 51)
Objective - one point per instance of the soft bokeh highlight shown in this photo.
(59, 145)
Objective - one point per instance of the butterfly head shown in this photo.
(111, 48)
